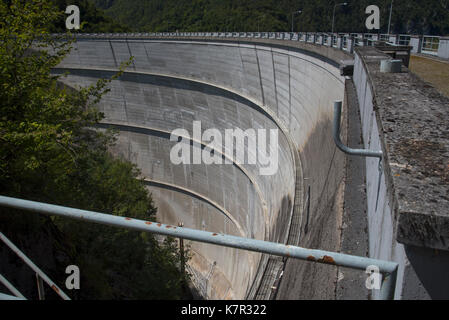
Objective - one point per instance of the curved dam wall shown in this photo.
(226, 85)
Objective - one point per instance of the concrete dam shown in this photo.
(247, 84)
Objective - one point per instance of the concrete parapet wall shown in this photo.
(407, 212)
(267, 84)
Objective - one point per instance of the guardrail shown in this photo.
(344, 41)
(40, 275)
(430, 45)
(387, 269)
(12, 289)
(404, 40)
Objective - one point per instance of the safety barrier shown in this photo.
(387, 269)
(343, 41)
(40, 275)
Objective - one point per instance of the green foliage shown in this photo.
(49, 152)
(93, 20)
(409, 16)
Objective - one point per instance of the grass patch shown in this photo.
(433, 71)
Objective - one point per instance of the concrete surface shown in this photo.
(227, 84)
(405, 117)
(354, 226)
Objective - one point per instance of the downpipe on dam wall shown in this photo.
(386, 268)
(355, 152)
(341, 146)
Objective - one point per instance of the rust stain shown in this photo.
(148, 222)
(327, 260)
(311, 258)
(128, 219)
(159, 224)
(214, 234)
(168, 227)
(55, 288)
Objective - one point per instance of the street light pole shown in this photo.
(333, 15)
(293, 17)
(389, 21)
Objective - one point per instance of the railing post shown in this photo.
(339, 42)
(40, 287)
(416, 43)
(388, 287)
(350, 45)
(443, 48)
(183, 262)
(35, 268)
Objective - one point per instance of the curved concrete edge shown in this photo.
(127, 127)
(332, 55)
(263, 108)
(196, 195)
(191, 193)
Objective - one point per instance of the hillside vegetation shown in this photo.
(409, 16)
(93, 19)
(50, 152)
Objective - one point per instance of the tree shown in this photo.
(409, 16)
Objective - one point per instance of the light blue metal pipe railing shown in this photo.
(11, 288)
(387, 269)
(9, 297)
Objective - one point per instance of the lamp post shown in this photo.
(333, 16)
(293, 16)
(389, 21)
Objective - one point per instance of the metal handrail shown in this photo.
(341, 146)
(4, 296)
(40, 274)
(11, 288)
(386, 268)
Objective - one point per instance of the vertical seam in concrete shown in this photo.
(113, 53)
(275, 85)
(260, 75)
(243, 68)
(79, 56)
(146, 52)
(289, 96)
(130, 54)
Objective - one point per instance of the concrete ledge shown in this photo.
(412, 123)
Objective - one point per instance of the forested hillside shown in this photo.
(409, 16)
(50, 152)
(93, 19)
